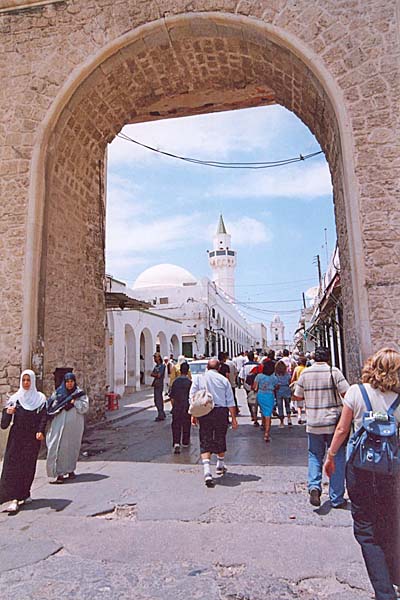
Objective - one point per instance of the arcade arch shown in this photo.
(178, 66)
(130, 359)
(147, 349)
(174, 347)
(162, 344)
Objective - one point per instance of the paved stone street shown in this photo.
(139, 523)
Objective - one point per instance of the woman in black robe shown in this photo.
(26, 409)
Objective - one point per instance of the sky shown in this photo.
(164, 210)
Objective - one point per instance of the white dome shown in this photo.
(164, 275)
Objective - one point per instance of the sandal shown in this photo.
(13, 507)
(60, 479)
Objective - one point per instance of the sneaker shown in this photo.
(177, 449)
(300, 422)
(290, 424)
(281, 425)
(341, 505)
(221, 470)
(72, 475)
(208, 480)
(315, 497)
(13, 507)
(256, 424)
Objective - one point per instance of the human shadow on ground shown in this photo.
(327, 507)
(56, 504)
(85, 477)
(234, 479)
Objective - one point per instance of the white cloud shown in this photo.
(245, 231)
(212, 136)
(302, 181)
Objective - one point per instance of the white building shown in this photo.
(222, 260)
(210, 320)
(133, 332)
(277, 340)
(260, 342)
(171, 311)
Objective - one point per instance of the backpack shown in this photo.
(201, 403)
(250, 379)
(375, 446)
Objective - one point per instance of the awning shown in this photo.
(122, 301)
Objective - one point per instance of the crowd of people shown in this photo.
(284, 386)
(368, 465)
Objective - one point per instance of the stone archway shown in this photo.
(318, 62)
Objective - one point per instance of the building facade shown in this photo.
(132, 337)
(129, 61)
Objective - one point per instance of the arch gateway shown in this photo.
(74, 72)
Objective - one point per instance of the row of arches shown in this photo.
(131, 344)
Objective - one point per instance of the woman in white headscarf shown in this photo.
(26, 409)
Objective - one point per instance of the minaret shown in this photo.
(277, 333)
(223, 260)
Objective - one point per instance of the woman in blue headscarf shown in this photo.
(65, 408)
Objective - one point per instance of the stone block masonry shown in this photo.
(74, 72)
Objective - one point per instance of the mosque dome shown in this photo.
(164, 275)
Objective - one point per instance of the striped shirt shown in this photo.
(322, 402)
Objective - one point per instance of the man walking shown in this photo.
(158, 374)
(214, 426)
(181, 423)
(250, 367)
(322, 388)
(232, 376)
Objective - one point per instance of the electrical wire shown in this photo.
(220, 164)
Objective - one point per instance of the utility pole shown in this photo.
(317, 261)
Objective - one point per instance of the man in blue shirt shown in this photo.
(214, 426)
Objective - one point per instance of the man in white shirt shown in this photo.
(214, 426)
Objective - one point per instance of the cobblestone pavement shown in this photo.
(138, 523)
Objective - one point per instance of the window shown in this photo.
(164, 300)
(213, 313)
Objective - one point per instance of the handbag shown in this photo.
(201, 403)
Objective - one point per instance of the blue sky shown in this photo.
(165, 210)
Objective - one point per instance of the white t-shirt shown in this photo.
(380, 402)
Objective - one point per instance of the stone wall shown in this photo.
(74, 72)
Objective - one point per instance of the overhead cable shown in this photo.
(220, 164)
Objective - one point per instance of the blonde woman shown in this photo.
(374, 503)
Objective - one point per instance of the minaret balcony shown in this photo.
(214, 253)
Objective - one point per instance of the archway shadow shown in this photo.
(56, 504)
(234, 479)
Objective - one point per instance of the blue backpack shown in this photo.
(375, 446)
